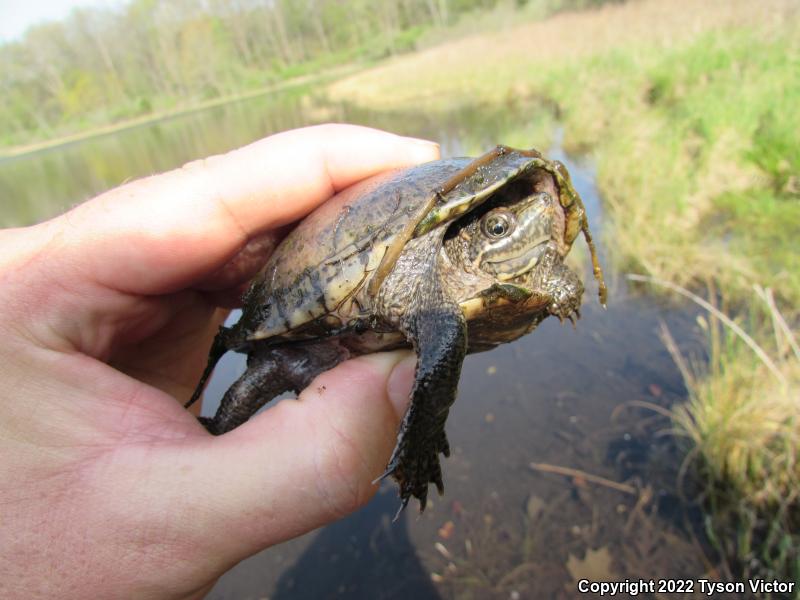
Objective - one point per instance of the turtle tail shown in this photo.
(218, 348)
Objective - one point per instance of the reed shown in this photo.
(742, 425)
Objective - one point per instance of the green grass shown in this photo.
(714, 180)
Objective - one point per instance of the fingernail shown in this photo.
(401, 381)
(421, 151)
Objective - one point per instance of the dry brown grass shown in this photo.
(743, 426)
(493, 66)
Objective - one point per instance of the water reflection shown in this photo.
(364, 556)
(38, 185)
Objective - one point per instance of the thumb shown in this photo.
(306, 462)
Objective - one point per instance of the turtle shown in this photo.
(448, 258)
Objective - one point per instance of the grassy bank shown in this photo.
(743, 421)
(689, 110)
(742, 426)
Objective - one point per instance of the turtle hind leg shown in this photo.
(261, 382)
(271, 372)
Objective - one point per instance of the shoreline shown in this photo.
(33, 147)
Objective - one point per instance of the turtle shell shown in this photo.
(335, 251)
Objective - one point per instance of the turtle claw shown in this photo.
(414, 471)
(400, 509)
(562, 315)
(389, 471)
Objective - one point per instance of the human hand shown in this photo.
(108, 487)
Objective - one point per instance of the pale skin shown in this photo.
(109, 488)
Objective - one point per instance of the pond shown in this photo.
(587, 399)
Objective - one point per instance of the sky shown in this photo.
(17, 15)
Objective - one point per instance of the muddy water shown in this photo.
(581, 399)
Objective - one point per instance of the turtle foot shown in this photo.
(415, 468)
(210, 424)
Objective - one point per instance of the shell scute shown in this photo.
(327, 257)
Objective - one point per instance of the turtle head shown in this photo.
(509, 257)
(509, 241)
(512, 234)
(499, 173)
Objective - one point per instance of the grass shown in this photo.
(712, 192)
(689, 111)
(743, 425)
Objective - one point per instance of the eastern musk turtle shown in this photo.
(449, 257)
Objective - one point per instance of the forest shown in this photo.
(102, 66)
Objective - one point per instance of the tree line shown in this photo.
(103, 65)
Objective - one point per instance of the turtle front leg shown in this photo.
(563, 291)
(439, 336)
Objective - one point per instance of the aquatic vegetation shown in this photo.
(742, 423)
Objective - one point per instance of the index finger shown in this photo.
(165, 232)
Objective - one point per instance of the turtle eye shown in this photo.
(496, 225)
